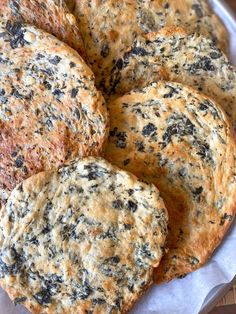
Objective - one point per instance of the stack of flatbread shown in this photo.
(117, 148)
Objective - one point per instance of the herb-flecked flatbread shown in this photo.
(50, 109)
(180, 140)
(109, 27)
(53, 16)
(189, 59)
(83, 239)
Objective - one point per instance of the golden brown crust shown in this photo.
(51, 111)
(131, 303)
(53, 16)
(180, 140)
(120, 22)
(175, 55)
(83, 238)
(166, 31)
(161, 274)
(35, 309)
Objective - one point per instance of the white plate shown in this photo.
(229, 20)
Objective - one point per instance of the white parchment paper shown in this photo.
(185, 295)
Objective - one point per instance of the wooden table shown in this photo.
(232, 4)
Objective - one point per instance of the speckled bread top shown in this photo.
(53, 16)
(109, 27)
(180, 140)
(50, 109)
(172, 53)
(83, 239)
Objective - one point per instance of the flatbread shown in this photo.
(180, 140)
(189, 59)
(109, 27)
(53, 16)
(82, 239)
(50, 109)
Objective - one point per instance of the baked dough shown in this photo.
(70, 4)
(109, 27)
(82, 239)
(53, 16)
(180, 140)
(50, 110)
(189, 59)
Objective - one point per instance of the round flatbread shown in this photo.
(81, 239)
(50, 110)
(181, 141)
(121, 21)
(53, 16)
(188, 59)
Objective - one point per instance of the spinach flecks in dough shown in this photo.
(172, 91)
(203, 150)
(139, 51)
(132, 206)
(105, 50)
(193, 260)
(198, 10)
(149, 130)
(19, 300)
(178, 125)
(121, 139)
(203, 64)
(16, 31)
(197, 192)
(43, 297)
(55, 60)
(224, 218)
